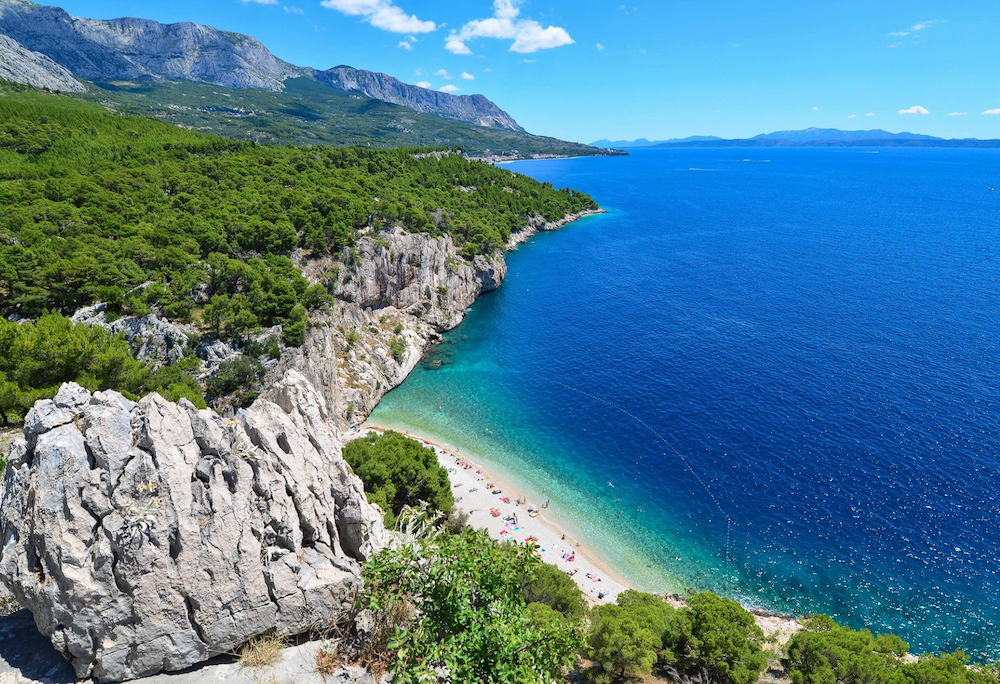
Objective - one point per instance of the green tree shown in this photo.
(827, 653)
(557, 590)
(464, 612)
(724, 642)
(397, 472)
(621, 643)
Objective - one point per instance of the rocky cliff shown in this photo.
(21, 65)
(150, 536)
(393, 288)
(124, 49)
(474, 109)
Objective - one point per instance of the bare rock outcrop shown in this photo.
(148, 537)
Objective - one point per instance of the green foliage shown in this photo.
(557, 590)
(712, 639)
(309, 113)
(622, 643)
(466, 612)
(724, 642)
(399, 472)
(398, 349)
(828, 653)
(269, 347)
(239, 377)
(36, 358)
(94, 204)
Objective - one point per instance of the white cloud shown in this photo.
(380, 14)
(958, 113)
(293, 10)
(466, 76)
(924, 25)
(528, 35)
(600, 47)
(992, 112)
(915, 109)
(487, 70)
(443, 73)
(870, 114)
(260, 2)
(852, 116)
(899, 34)
(815, 109)
(424, 84)
(449, 89)
(405, 44)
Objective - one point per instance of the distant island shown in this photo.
(809, 137)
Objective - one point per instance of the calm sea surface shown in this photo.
(770, 373)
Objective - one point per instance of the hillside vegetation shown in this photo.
(308, 112)
(94, 204)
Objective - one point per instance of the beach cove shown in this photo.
(700, 387)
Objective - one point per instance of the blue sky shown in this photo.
(589, 69)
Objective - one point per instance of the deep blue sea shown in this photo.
(770, 373)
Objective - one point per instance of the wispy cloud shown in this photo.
(381, 14)
(443, 73)
(870, 114)
(424, 84)
(449, 89)
(912, 31)
(528, 35)
(405, 44)
(600, 47)
(293, 10)
(852, 116)
(259, 2)
(958, 113)
(992, 112)
(815, 109)
(466, 76)
(915, 109)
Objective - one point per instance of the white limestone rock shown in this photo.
(148, 537)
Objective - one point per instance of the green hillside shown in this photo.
(310, 113)
(94, 204)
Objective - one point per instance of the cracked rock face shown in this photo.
(148, 537)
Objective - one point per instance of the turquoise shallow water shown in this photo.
(770, 373)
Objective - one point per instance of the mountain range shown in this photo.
(175, 72)
(809, 137)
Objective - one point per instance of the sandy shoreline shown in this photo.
(470, 482)
(599, 583)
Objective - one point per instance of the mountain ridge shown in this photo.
(808, 137)
(128, 49)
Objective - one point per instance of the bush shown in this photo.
(465, 612)
(398, 349)
(37, 358)
(621, 643)
(238, 377)
(398, 471)
(557, 590)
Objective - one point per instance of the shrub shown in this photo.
(238, 377)
(465, 612)
(37, 358)
(398, 471)
(557, 590)
(398, 349)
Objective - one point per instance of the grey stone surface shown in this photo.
(121, 49)
(27, 657)
(152, 338)
(149, 537)
(21, 65)
(474, 109)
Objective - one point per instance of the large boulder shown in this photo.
(148, 537)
